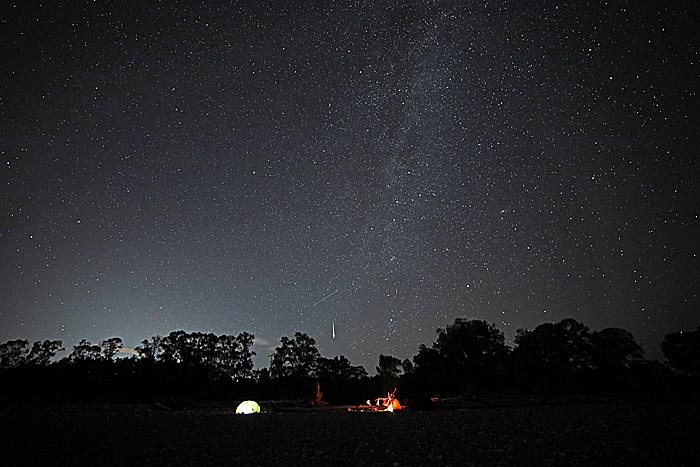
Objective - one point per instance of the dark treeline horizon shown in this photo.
(468, 357)
(123, 351)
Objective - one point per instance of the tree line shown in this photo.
(467, 357)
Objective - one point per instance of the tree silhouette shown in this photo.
(467, 355)
(682, 350)
(17, 353)
(614, 348)
(42, 352)
(189, 349)
(553, 355)
(294, 358)
(225, 357)
(111, 347)
(13, 353)
(85, 351)
(233, 357)
(474, 349)
(429, 361)
(338, 368)
(389, 367)
(180, 347)
(429, 376)
(390, 371)
(150, 350)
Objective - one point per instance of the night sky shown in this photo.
(380, 168)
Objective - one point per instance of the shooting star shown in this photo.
(327, 297)
(333, 329)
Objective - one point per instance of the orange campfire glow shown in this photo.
(385, 404)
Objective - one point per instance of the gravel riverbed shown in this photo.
(142, 435)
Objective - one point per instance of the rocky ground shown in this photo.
(211, 435)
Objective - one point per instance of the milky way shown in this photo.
(365, 169)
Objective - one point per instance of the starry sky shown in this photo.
(376, 168)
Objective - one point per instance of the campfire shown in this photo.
(382, 404)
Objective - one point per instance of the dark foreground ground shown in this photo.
(142, 435)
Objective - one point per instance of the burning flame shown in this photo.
(381, 404)
(389, 403)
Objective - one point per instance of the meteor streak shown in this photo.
(327, 297)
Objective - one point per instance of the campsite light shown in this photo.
(248, 407)
(382, 404)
